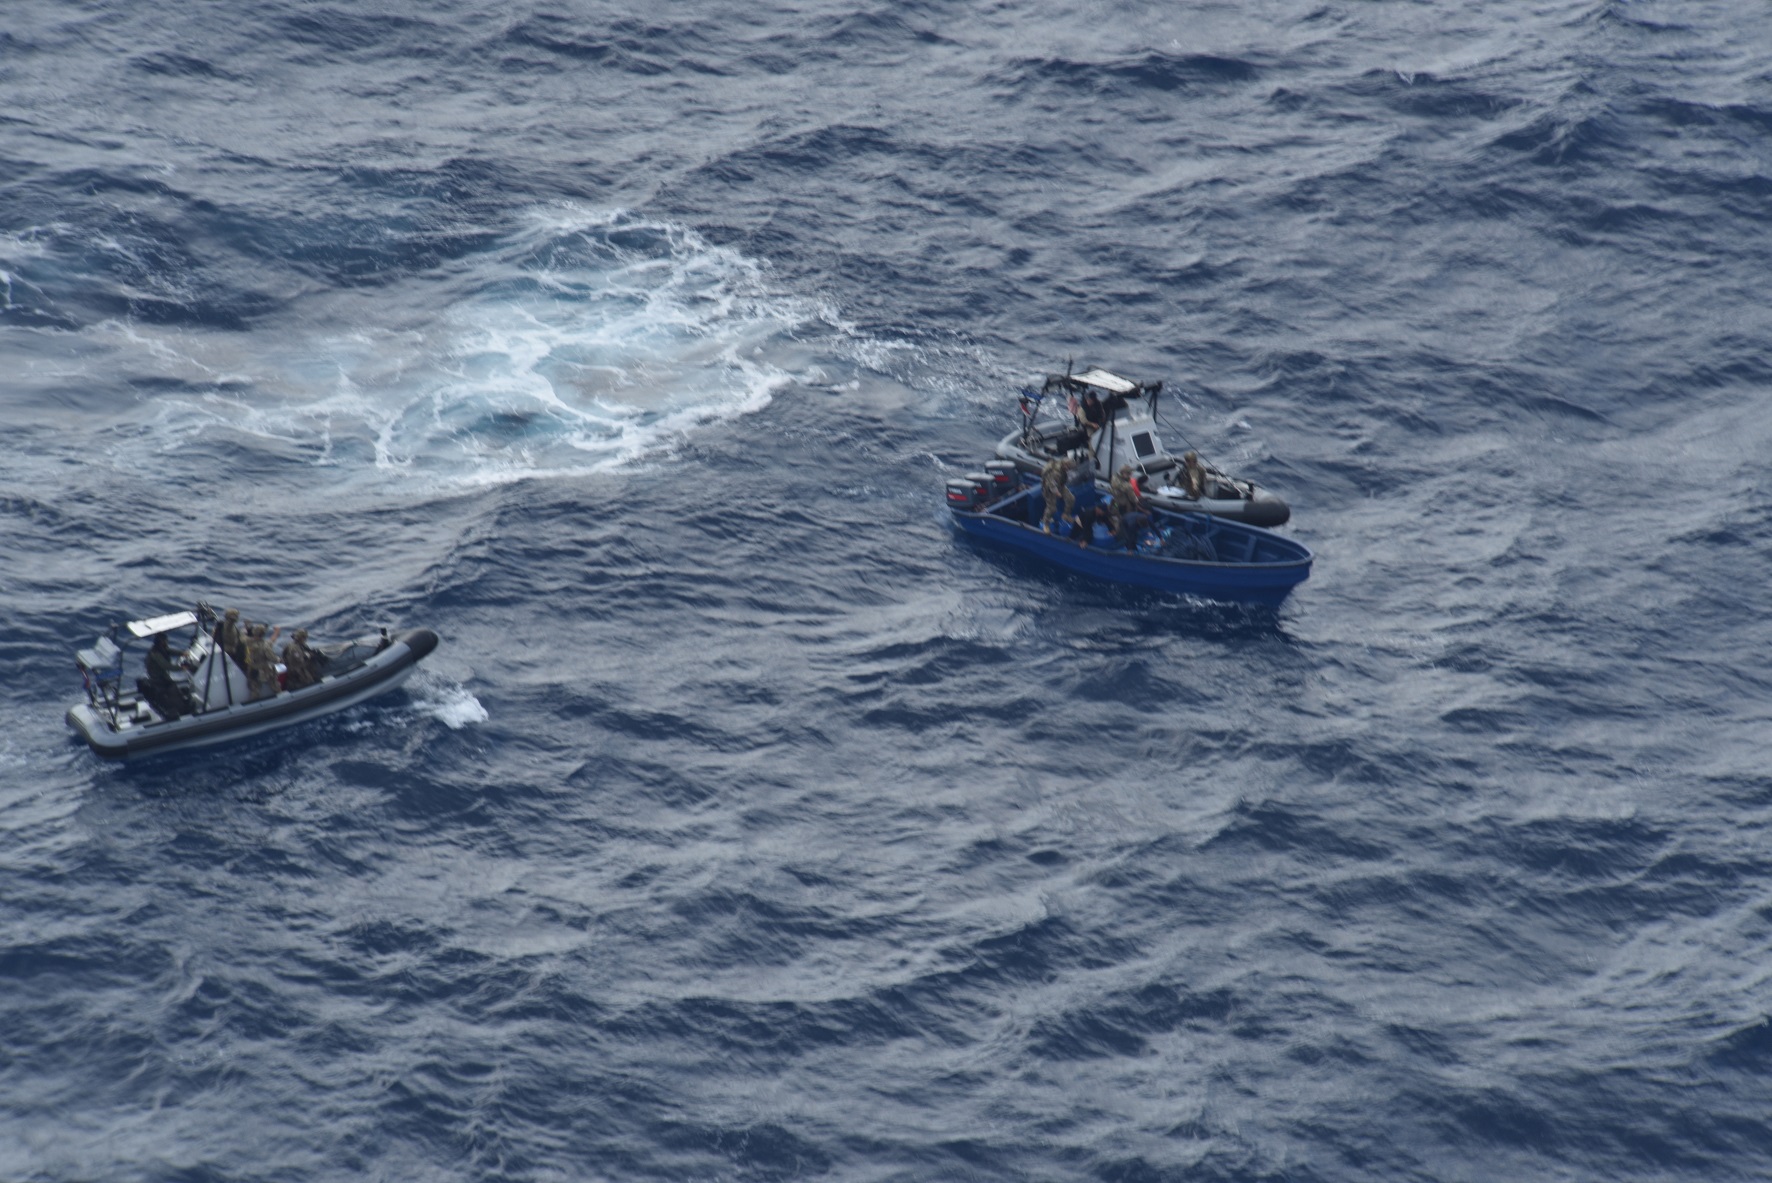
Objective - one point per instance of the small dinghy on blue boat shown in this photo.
(203, 696)
(1051, 426)
(1197, 554)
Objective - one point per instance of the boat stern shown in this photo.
(97, 733)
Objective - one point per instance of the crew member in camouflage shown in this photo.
(1125, 495)
(261, 662)
(1193, 476)
(227, 636)
(300, 665)
(1054, 484)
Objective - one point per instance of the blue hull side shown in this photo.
(1259, 583)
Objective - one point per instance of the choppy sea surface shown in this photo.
(749, 825)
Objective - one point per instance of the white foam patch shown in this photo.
(33, 242)
(18, 246)
(450, 704)
(584, 341)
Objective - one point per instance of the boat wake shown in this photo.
(449, 703)
(581, 341)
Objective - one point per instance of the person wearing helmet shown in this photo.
(1124, 493)
(301, 664)
(261, 662)
(1128, 516)
(1055, 483)
(1193, 476)
(228, 637)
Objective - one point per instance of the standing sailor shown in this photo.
(301, 667)
(1124, 491)
(227, 636)
(1091, 417)
(1055, 483)
(1128, 507)
(261, 662)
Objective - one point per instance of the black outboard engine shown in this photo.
(1005, 478)
(965, 494)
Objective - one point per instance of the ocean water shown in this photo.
(748, 824)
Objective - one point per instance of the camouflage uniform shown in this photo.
(261, 664)
(1055, 483)
(227, 636)
(1125, 496)
(1193, 476)
(299, 662)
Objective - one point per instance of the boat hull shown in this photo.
(1283, 563)
(381, 673)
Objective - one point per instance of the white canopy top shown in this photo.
(162, 624)
(1107, 381)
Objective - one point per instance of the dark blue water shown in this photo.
(748, 825)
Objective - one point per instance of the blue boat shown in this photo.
(1194, 553)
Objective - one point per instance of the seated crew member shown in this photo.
(1084, 530)
(162, 693)
(1193, 476)
(261, 663)
(302, 664)
(1131, 527)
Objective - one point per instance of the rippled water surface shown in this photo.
(750, 825)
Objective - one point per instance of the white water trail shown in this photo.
(584, 340)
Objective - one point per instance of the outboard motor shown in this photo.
(1005, 478)
(965, 494)
(983, 481)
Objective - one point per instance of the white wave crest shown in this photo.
(450, 704)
